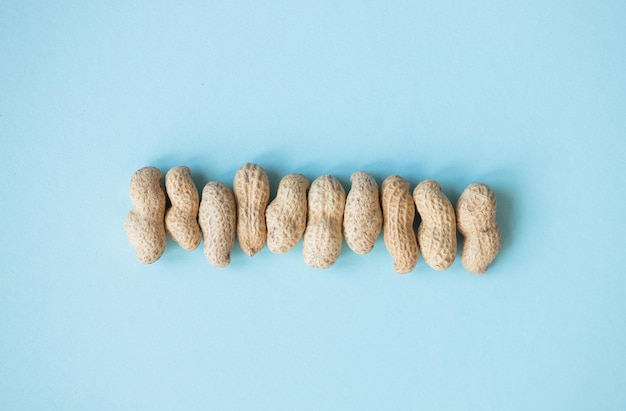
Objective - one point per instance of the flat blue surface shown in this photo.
(529, 98)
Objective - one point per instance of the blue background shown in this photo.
(528, 97)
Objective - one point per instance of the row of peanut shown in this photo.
(321, 218)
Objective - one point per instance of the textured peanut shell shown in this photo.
(436, 235)
(252, 192)
(476, 219)
(218, 219)
(322, 239)
(144, 224)
(286, 214)
(363, 217)
(181, 218)
(398, 216)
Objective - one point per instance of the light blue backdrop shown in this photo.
(528, 97)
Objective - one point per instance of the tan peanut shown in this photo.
(362, 218)
(398, 216)
(476, 219)
(322, 239)
(436, 235)
(181, 219)
(286, 214)
(252, 192)
(144, 224)
(218, 219)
